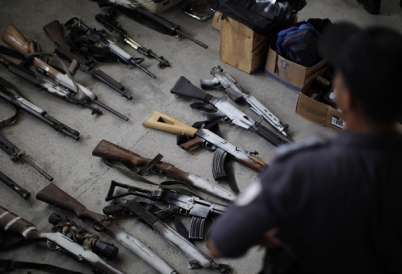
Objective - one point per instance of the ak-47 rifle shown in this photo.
(198, 259)
(9, 222)
(197, 208)
(14, 186)
(225, 111)
(224, 82)
(16, 154)
(103, 40)
(141, 14)
(14, 38)
(36, 111)
(57, 197)
(121, 35)
(86, 64)
(207, 139)
(39, 82)
(112, 152)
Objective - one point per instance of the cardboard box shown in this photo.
(318, 112)
(289, 73)
(160, 6)
(241, 47)
(216, 21)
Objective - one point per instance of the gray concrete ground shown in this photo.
(87, 178)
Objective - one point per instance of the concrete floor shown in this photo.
(87, 178)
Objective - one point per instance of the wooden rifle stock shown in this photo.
(19, 225)
(164, 122)
(55, 32)
(57, 197)
(14, 38)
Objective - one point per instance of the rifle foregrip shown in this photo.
(12, 223)
(268, 135)
(197, 141)
(185, 88)
(196, 228)
(100, 75)
(14, 38)
(55, 32)
(218, 164)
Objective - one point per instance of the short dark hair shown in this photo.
(371, 63)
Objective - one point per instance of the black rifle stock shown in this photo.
(121, 35)
(14, 186)
(194, 206)
(55, 32)
(12, 223)
(225, 111)
(141, 12)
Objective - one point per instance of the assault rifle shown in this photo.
(43, 84)
(104, 40)
(225, 111)
(86, 64)
(36, 111)
(57, 197)
(109, 151)
(121, 35)
(14, 38)
(224, 82)
(14, 186)
(147, 18)
(55, 241)
(196, 207)
(198, 259)
(208, 140)
(16, 154)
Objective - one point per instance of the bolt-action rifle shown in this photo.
(224, 82)
(9, 222)
(207, 139)
(36, 111)
(140, 14)
(14, 186)
(57, 197)
(196, 207)
(112, 152)
(198, 259)
(121, 35)
(14, 38)
(40, 83)
(86, 64)
(225, 111)
(104, 40)
(16, 154)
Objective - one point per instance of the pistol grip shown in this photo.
(218, 164)
(196, 228)
(197, 141)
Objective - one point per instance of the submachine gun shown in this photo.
(86, 64)
(143, 16)
(224, 82)
(56, 241)
(101, 40)
(146, 213)
(121, 35)
(14, 38)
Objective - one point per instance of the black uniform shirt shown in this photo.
(337, 206)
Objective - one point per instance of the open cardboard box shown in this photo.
(318, 112)
(287, 72)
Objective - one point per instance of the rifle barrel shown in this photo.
(192, 39)
(110, 110)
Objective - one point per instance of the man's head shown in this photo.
(369, 69)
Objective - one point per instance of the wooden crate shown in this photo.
(216, 21)
(241, 47)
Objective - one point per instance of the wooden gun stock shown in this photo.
(55, 32)
(14, 38)
(57, 197)
(12, 223)
(257, 165)
(164, 122)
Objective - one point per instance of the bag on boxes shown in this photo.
(264, 17)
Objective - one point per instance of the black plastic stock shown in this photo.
(185, 88)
